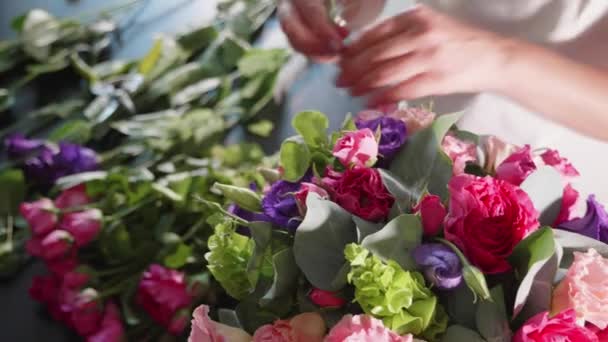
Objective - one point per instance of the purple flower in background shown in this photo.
(73, 159)
(393, 133)
(439, 264)
(246, 215)
(594, 224)
(18, 146)
(280, 206)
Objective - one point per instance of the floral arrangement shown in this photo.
(401, 227)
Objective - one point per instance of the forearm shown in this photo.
(572, 94)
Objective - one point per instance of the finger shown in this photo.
(391, 72)
(410, 21)
(302, 39)
(416, 87)
(316, 17)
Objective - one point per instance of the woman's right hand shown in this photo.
(309, 29)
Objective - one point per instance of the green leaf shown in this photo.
(421, 164)
(73, 180)
(397, 240)
(6, 99)
(76, 131)
(476, 281)
(223, 55)
(257, 61)
(13, 190)
(295, 158)
(17, 23)
(176, 79)
(167, 192)
(460, 305)
(229, 318)
(261, 233)
(195, 91)
(126, 299)
(491, 318)
(243, 197)
(115, 243)
(179, 257)
(545, 188)
(262, 128)
(404, 197)
(149, 61)
(197, 39)
(535, 260)
(111, 68)
(458, 333)
(285, 278)
(312, 126)
(164, 55)
(573, 242)
(320, 240)
(39, 31)
(365, 228)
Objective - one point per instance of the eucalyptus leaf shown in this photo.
(179, 257)
(365, 228)
(404, 197)
(420, 164)
(257, 61)
(195, 91)
(111, 68)
(545, 188)
(312, 126)
(197, 39)
(229, 317)
(295, 158)
(320, 240)
(76, 131)
(492, 321)
(396, 241)
(457, 333)
(285, 278)
(261, 233)
(573, 242)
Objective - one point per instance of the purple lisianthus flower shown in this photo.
(74, 158)
(594, 224)
(18, 146)
(246, 215)
(440, 265)
(393, 133)
(280, 206)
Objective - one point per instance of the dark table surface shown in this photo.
(22, 319)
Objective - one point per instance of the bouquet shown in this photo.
(399, 227)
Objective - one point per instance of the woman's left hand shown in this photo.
(422, 53)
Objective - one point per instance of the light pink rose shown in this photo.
(585, 289)
(280, 331)
(561, 327)
(206, 330)
(305, 189)
(73, 197)
(40, 216)
(357, 149)
(56, 244)
(517, 167)
(306, 327)
(495, 152)
(325, 299)
(433, 213)
(83, 225)
(363, 328)
(459, 151)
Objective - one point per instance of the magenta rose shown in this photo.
(561, 327)
(83, 225)
(56, 244)
(110, 329)
(487, 218)
(517, 167)
(357, 149)
(325, 299)
(361, 192)
(75, 196)
(40, 215)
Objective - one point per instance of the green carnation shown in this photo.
(398, 297)
(228, 256)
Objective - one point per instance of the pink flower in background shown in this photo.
(363, 328)
(111, 329)
(83, 225)
(561, 327)
(45, 289)
(585, 289)
(357, 149)
(40, 216)
(325, 299)
(83, 311)
(63, 265)
(517, 167)
(162, 292)
(459, 151)
(552, 158)
(73, 197)
(56, 244)
(280, 331)
(305, 327)
(487, 218)
(495, 152)
(206, 330)
(179, 321)
(433, 213)
(305, 189)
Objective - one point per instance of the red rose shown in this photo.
(326, 299)
(487, 218)
(561, 327)
(432, 213)
(361, 192)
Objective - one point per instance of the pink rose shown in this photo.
(561, 327)
(357, 149)
(206, 330)
(45, 289)
(495, 152)
(40, 216)
(517, 167)
(361, 192)
(75, 196)
(585, 289)
(487, 218)
(459, 151)
(325, 299)
(63, 265)
(83, 225)
(306, 327)
(56, 245)
(433, 213)
(552, 158)
(569, 199)
(306, 188)
(363, 328)
(111, 329)
(162, 292)
(280, 331)
(84, 312)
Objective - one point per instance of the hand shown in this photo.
(422, 53)
(309, 28)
